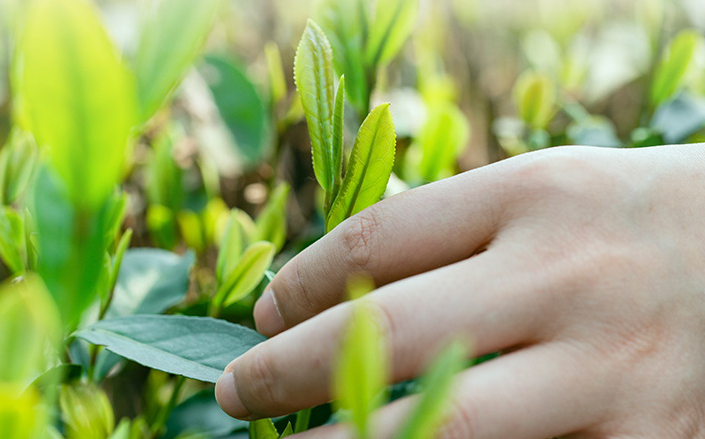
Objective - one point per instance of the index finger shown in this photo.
(410, 233)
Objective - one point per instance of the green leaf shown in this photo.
(21, 413)
(18, 161)
(241, 107)
(83, 111)
(361, 372)
(263, 429)
(12, 240)
(271, 222)
(247, 274)
(534, 97)
(673, 67)
(201, 413)
(116, 262)
(161, 223)
(345, 24)
(442, 139)
(436, 384)
(86, 411)
(29, 323)
(313, 72)
(288, 431)
(230, 249)
(164, 177)
(369, 168)
(338, 132)
(173, 35)
(192, 230)
(150, 282)
(277, 80)
(393, 22)
(122, 431)
(195, 347)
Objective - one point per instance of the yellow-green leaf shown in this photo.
(313, 72)
(29, 324)
(247, 274)
(535, 98)
(173, 35)
(231, 248)
(263, 429)
(192, 230)
(337, 139)
(392, 24)
(673, 67)
(432, 407)
(21, 415)
(277, 81)
(18, 160)
(12, 240)
(271, 222)
(76, 96)
(369, 168)
(288, 431)
(442, 138)
(361, 371)
(86, 412)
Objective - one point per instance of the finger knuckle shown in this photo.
(360, 239)
(259, 389)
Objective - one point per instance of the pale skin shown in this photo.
(586, 266)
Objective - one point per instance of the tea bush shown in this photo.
(161, 159)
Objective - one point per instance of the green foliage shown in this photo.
(86, 412)
(271, 222)
(21, 416)
(678, 58)
(313, 72)
(246, 274)
(263, 429)
(277, 81)
(361, 371)
(86, 145)
(195, 347)
(164, 176)
(431, 409)
(200, 413)
(369, 168)
(392, 24)
(172, 36)
(18, 161)
(535, 99)
(12, 240)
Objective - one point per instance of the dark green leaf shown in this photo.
(195, 347)
(201, 414)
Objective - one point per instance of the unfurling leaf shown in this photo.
(393, 21)
(673, 67)
(534, 97)
(86, 412)
(172, 36)
(246, 275)
(369, 168)
(313, 72)
(195, 347)
(361, 372)
(436, 384)
(271, 222)
(81, 112)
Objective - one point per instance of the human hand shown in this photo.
(586, 264)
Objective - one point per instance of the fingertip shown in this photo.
(227, 397)
(268, 319)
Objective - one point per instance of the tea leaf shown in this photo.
(240, 105)
(21, 414)
(338, 131)
(534, 97)
(172, 37)
(672, 69)
(263, 429)
(442, 139)
(231, 247)
(345, 24)
(369, 169)
(436, 387)
(18, 162)
(150, 281)
(83, 111)
(164, 177)
(11, 240)
(247, 274)
(393, 22)
(201, 413)
(161, 223)
(288, 431)
(313, 72)
(361, 372)
(195, 347)
(86, 412)
(277, 81)
(271, 222)
(192, 230)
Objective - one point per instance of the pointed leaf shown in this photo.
(369, 169)
(436, 384)
(18, 160)
(271, 222)
(263, 429)
(230, 250)
(172, 37)
(83, 111)
(338, 131)
(247, 274)
(11, 240)
(288, 431)
(195, 347)
(442, 139)
(677, 60)
(313, 72)
(535, 98)
(393, 22)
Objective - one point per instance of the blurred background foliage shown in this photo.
(217, 183)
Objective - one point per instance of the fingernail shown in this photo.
(268, 319)
(226, 395)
